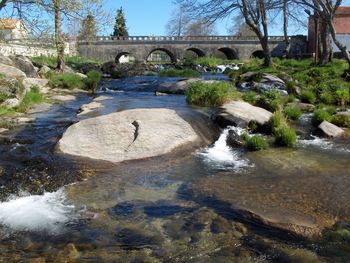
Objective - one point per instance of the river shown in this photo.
(173, 208)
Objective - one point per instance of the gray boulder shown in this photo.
(6, 60)
(43, 70)
(240, 113)
(330, 130)
(26, 66)
(178, 87)
(40, 83)
(261, 83)
(11, 72)
(11, 103)
(127, 135)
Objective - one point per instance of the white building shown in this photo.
(12, 29)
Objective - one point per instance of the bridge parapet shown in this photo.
(181, 38)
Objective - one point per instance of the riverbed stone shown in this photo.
(291, 191)
(178, 87)
(128, 135)
(44, 70)
(11, 103)
(63, 98)
(31, 82)
(24, 64)
(251, 81)
(330, 130)
(240, 113)
(11, 72)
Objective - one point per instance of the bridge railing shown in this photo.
(181, 38)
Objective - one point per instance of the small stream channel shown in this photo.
(56, 208)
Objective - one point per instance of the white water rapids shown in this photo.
(48, 212)
(221, 156)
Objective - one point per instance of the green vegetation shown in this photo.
(277, 120)
(250, 97)
(339, 235)
(320, 115)
(308, 96)
(285, 136)
(66, 81)
(293, 112)
(78, 63)
(342, 96)
(256, 143)
(31, 98)
(185, 73)
(208, 61)
(210, 94)
(270, 100)
(6, 111)
(341, 120)
(92, 80)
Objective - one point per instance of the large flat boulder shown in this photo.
(330, 130)
(127, 135)
(240, 113)
(11, 72)
(31, 82)
(24, 64)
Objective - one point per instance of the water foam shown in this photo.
(322, 143)
(221, 156)
(49, 212)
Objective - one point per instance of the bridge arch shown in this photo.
(257, 54)
(199, 52)
(229, 53)
(120, 55)
(170, 54)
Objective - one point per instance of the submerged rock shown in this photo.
(330, 130)
(240, 113)
(127, 135)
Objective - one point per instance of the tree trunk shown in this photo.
(325, 44)
(285, 28)
(3, 3)
(267, 53)
(58, 36)
(341, 47)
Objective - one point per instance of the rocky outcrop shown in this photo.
(44, 70)
(262, 82)
(26, 66)
(35, 82)
(11, 72)
(178, 87)
(6, 60)
(330, 130)
(240, 113)
(127, 135)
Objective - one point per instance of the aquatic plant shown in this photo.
(185, 73)
(293, 112)
(319, 116)
(285, 136)
(256, 143)
(66, 81)
(92, 80)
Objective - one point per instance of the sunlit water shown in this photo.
(162, 209)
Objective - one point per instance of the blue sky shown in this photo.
(149, 17)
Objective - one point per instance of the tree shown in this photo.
(200, 28)
(3, 3)
(324, 11)
(120, 29)
(60, 45)
(88, 28)
(177, 23)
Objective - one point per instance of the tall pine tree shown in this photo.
(88, 28)
(120, 29)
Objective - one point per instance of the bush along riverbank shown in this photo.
(288, 90)
(25, 83)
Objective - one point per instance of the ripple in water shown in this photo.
(221, 156)
(322, 143)
(49, 212)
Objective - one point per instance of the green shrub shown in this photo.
(341, 120)
(210, 94)
(31, 98)
(270, 100)
(45, 60)
(319, 116)
(277, 120)
(339, 235)
(327, 98)
(308, 96)
(293, 112)
(250, 97)
(92, 80)
(256, 143)
(66, 81)
(185, 73)
(343, 96)
(285, 136)
(291, 87)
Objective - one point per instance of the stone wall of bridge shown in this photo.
(111, 49)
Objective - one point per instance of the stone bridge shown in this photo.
(140, 47)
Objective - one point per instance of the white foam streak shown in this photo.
(220, 155)
(48, 212)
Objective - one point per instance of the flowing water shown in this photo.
(172, 208)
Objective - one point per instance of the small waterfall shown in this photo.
(48, 212)
(221, 156)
